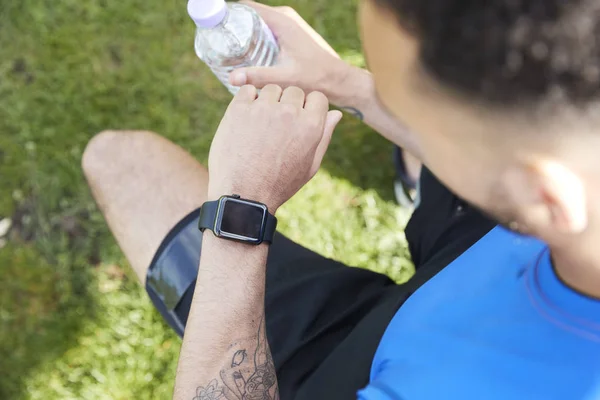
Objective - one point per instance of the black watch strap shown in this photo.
(208, 215)
(270, 228)
(208, 219)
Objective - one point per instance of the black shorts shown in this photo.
(324, 319)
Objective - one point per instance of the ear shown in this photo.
(563, 195)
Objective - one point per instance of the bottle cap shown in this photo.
(207, 13)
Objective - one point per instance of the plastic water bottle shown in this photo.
(230, 36)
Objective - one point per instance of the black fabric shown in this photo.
(401, 171)
(324, 319)
(443, 226)
(175, 264)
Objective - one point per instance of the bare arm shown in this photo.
(307, 61)
(357, 97)
(279, 139)
(225, 353)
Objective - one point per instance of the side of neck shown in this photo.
(578, 266)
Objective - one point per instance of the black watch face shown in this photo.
(242, 220)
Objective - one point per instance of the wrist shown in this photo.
(354, 88)
(236, 263)
(215, 193)
(230, 249)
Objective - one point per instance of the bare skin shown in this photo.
(537, 175)
(139, 216)
(548, 188)
(309, 62)
(144, 185)
(225, 353)
(226, 320)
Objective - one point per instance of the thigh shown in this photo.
(440, 230)
(143, 185)
(172, 273)
(149, 190)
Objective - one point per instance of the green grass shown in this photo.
(74, 324)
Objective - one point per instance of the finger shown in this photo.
(262, 76)
(282, 20)
(293, 95)
(246, 94)
(270, 94)
(274, 18)
(316, 102)
(333, 118)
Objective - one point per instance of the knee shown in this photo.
(109, 150)
(96, 152)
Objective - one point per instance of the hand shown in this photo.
(305, 59)
(267, 147)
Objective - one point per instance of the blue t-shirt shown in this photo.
(497, 323)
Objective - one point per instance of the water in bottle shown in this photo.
(230, 36)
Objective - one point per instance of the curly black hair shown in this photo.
(509, 51)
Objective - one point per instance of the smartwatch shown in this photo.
(237, 219)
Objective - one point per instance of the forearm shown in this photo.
(267, 147)
(225, 347)
(358, 97)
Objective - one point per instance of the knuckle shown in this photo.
(246, 89)
(245, 92)
(296, 90)
(311, 124)
(317, 96)
(272, 87)
(288, 110)
(234, 107)
(261, 108)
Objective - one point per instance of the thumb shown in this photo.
(261, 76)
(333, 118)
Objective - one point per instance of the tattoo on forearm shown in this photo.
(245, 377)
(351, 110)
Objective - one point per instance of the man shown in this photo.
(502, 97)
